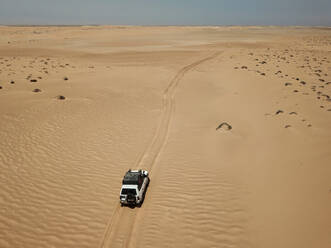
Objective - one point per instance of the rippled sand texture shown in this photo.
(233, 124)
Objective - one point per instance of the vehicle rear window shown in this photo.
(129, 191)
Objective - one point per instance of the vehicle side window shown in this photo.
(140, 182)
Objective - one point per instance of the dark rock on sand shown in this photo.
(60, 97)
(225, 126)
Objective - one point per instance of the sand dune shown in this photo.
(232, 123)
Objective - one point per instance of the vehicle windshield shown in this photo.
(128, 192)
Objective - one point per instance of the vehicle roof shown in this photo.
(132, 177)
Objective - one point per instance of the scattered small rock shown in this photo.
(0, 87)
(244, 67)
(33, 80)
(37, 90)
(12, 82)
(65, 78)
(287, 126)
(303, 82)
(279, 112)
(293, 113)
(60, 97)
(288, 84)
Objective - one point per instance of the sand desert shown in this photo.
(233, 124)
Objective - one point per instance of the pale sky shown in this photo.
(166, 12)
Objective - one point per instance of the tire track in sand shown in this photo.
(122, 222)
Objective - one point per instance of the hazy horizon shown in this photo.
(165, 13)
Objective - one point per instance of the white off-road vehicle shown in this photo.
(134, 186)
